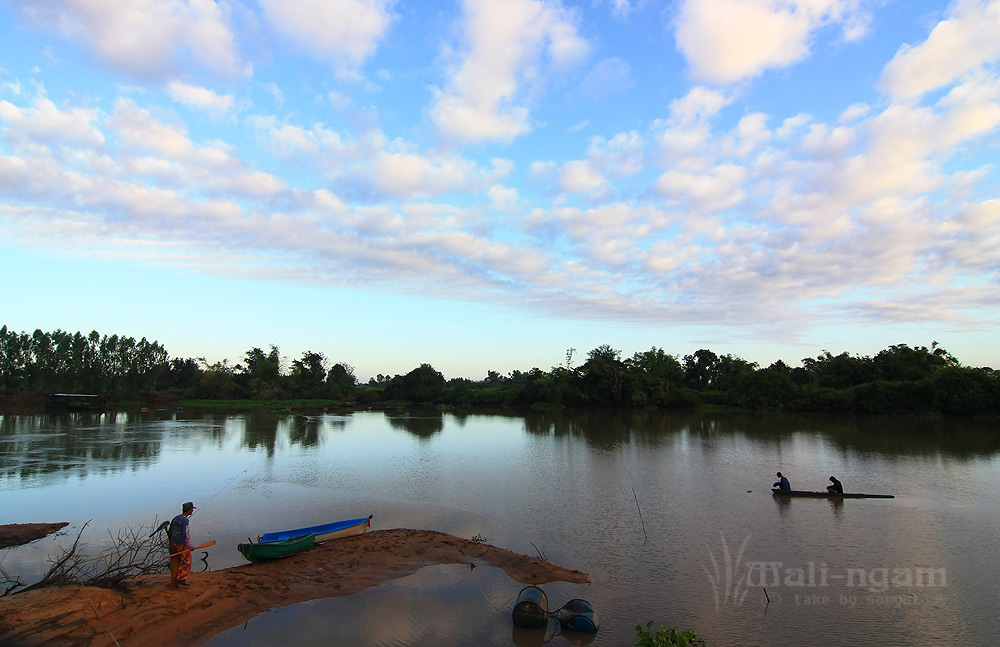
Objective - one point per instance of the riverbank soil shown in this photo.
(16, 534)
(149, 612)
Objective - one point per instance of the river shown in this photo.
(670, 514)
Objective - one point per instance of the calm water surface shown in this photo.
(671, 515)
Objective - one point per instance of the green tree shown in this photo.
(900, 362)
(603, 375)
(183, 374)
(966, 391)
(217, 381)
(422, 384)
(308, 375)
(15, 360)
(341, 381)
(840, 371)
(654, 376)
(700, 369)
(769, 388)
(730, 371)
(262, 373)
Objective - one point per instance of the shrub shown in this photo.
(666, 637)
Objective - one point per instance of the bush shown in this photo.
(666, 637)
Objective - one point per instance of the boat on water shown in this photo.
(830, 495)
(323, 532)
(264, 552)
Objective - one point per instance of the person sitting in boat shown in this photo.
(836, 488)
(782, 483)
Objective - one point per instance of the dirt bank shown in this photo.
(150, 613)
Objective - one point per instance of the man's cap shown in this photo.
(187, 506)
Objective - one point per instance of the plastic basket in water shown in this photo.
(531, 608)
(578, 615)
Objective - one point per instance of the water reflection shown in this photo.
(32, 446)
(423, 425)
(607, 430)
(566, 484)
(438, 605)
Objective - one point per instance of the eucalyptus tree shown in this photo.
(15, 360)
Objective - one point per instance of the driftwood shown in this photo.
(132, 553)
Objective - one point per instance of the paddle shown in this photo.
(188, 550)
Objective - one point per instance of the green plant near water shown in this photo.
(666, 637)
(478, 539)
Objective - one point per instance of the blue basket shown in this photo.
(578, 615)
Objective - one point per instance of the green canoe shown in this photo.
(263, 552)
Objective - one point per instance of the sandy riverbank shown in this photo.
(149, 612)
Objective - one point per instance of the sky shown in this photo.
(492, 185)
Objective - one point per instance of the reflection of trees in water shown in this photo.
(955, 437)
(606, 429)
(422, 425)
(263, 429)
(89, 443)
(83, 442)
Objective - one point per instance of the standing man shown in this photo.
(782, 483)
(180, 546)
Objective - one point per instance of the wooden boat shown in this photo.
(830, 495)
(323, 532)
(258, 553)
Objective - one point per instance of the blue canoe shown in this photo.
(323, 532)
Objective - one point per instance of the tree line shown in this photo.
(899, 379)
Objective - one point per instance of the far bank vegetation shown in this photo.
(899, 379)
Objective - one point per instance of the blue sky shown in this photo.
(483, 185)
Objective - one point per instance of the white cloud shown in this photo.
(619, 157)
(405, 174)
(148, 39)
(138, 129)
(972, 109)
(685, 135)
(714, 191)
(346, 32)
(751, 132)
(699, 104)
(45, 123)
(968, 39)
(725, 41)
(508, 44)
(500, 194)
(198, 97)
(579, 176)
